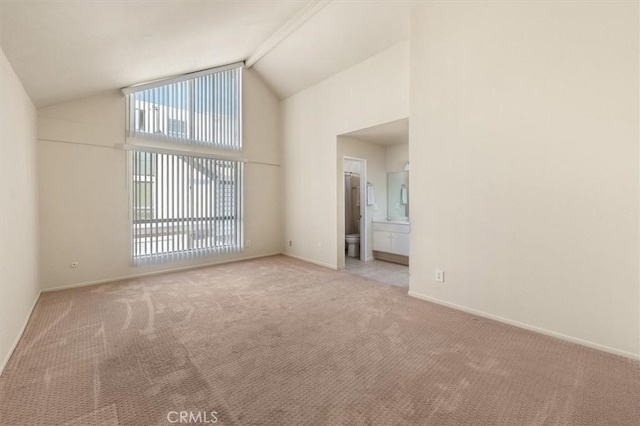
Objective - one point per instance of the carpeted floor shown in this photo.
(279, 341)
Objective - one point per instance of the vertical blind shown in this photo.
(184, 206)
(204, 110)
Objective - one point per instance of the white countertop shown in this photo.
(397, 222)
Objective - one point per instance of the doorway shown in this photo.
(374, 153)
(355, 213)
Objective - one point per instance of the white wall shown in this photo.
(19, 287)
(376, 174)
(396, 156)
(351, 166)
(524, 164)
(83, 187)
(373, 92)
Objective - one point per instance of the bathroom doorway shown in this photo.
(355, 212)
(374, 153)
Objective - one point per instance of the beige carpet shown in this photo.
(278, 341)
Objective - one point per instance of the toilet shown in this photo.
(353, 245)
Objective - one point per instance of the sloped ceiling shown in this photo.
(342, 34)
(391, 133)
(64, 50)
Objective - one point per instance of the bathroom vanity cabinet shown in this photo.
(391, 241)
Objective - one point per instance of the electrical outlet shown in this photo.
(248, 243)
(289, 243)
(320, 247)
(74, 264)
(440, 275)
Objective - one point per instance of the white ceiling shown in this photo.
(63, 50)
(391, 133)
(68, 49)
(342, 34)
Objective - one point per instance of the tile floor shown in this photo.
(379, 270)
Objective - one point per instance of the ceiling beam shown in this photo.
(286, 30)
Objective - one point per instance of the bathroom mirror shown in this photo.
(398, 195)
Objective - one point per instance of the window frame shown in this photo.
(155, 136)
(226, 223)
(209, 102)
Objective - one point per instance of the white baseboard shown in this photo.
(527, 326)
(315, 262)
(164, 271)
(5, 361)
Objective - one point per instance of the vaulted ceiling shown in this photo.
(340, 35)
(63, 50)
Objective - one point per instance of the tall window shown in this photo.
(185, 203)
(185, 207)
